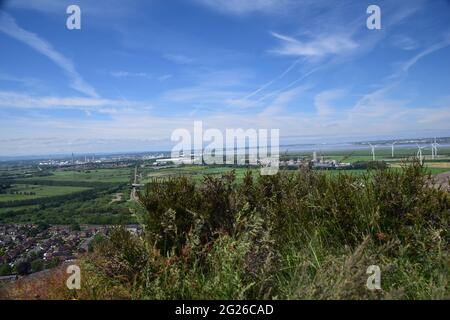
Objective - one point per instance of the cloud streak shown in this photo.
(318, 47)
(239, 7)
(9, 26)
(438, 46)
(24, 101)
(322, 101)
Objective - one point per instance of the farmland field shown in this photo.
(196, 172)
(14, 209)
(24, 191)
(199, 172)
(65, 196)
(97, 175)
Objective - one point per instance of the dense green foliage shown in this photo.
(5, 270)
(287, 236)
(37, 265)
(57, 196)
(87, 207)
(4, 186)
(23, 267)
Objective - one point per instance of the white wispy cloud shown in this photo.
(278, 104)
(9, 26)
(322, 101)
(404, 42)
(200, 94)
(379, 115)
(25, 81)
(267, 84)
(122, 74)
(433, 48)
(211, 89)
(22, 100)
(318, 47)
(141, 75)
(240, 7)
(377, 110)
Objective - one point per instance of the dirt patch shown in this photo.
(117, 198)
(44, 285)
(442, 180)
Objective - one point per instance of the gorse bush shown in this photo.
(294, 235)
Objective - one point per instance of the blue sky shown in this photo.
(137, 70)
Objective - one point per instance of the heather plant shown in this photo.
(294, 235)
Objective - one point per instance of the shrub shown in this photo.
(23, 267)
(294, 235)
(5, 270)
(37, 265)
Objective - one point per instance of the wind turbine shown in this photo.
(419, 154)
(393, 143)
(373, 151)
(434, 149)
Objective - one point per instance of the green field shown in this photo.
(98, 175)
(438, 170)
(24, 192)
(66, 196)
(14, 209)
(199, 172)
(196, 172)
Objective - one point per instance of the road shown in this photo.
(133, 193)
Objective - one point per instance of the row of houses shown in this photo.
(31, 242)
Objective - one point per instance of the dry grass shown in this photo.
(47, 285)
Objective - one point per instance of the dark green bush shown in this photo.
(293, 235)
